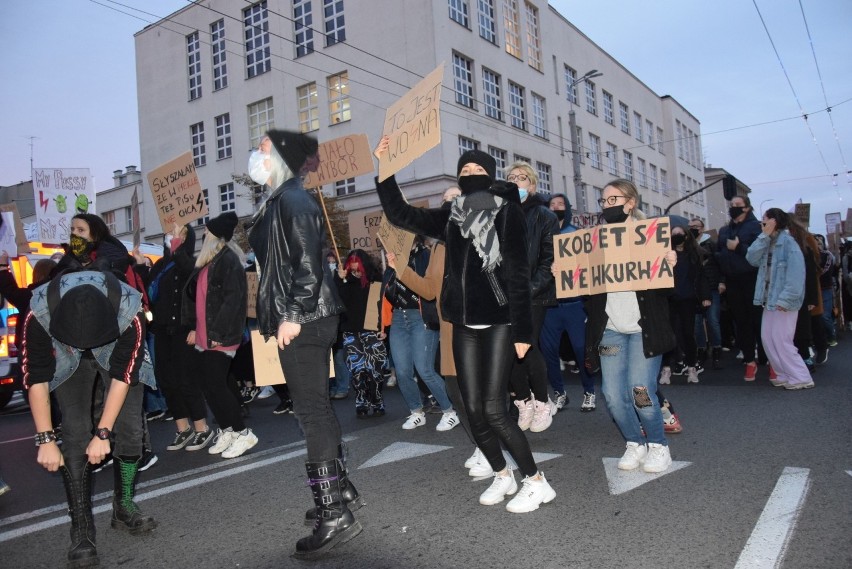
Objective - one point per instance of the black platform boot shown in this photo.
(334, 523)
(126, 515)
(350, 495)
(78, 487)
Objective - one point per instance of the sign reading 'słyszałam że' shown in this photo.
(613, 258)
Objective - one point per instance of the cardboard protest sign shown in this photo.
(847, 223)
(253, 284)
(341, 159)
(177, 193)
(371, 316)
(60, 194)
(267, 366)
(584, 220)
(397, 241)
(613, 258)
(413, 124)
(363, 227)
(832, 222)
(803, 214)
(7, 234)
(21, 239)
(134, 213)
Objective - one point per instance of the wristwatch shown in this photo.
(103, 433)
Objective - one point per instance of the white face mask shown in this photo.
(257, 169)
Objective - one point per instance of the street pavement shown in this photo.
(762, 478)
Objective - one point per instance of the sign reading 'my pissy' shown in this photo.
(60, 194)
(613, 258)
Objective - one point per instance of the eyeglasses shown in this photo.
(518, 178)
(611, 200)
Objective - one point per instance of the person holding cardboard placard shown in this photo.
(627, 334)
(486, 295)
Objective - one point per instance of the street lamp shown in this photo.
(575, 143)
(763, 202)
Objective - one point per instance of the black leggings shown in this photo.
(484, 360)
(221, 399)
(529, 375)
(682, 319)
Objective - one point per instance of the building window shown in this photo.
(664, 182)
(581, 147)
(487, 26)
(544, 176)
(223, 136)
(499, 156)
(658, 211)
(649, 132)
(219, 51)
(612, 158)
(628, 165)
(335, 26)
(607, 106)
(109, 219)
(595, 151)
(338, 98)
(637, 126)
(652, 177)
(512, 27)
(227, 198)
(641, 173)
(571, 85)
(199, 154)
(458, 12)
(256, 22)
(519, 158)
(463, 80)
(261, 118)
(128, 218)
(303, 27)
(193, 62)
(679, 139)
(598, 198)
(698, 159)
(533, 37)
(625, 117)
(692, 153)
(201, 222)
(660, 140)
(343, 187)
(491, 90)
(466, 144)
(539, 116)
(591, 98)
(516, 106)
(308, 107)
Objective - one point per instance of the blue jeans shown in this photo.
(630, 387)
(571, 318)
(342, 377)
(828, 314)
(414, 347)
(712, 314)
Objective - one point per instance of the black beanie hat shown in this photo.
(84, 318)
(294, 147)
(481, 158)
(223, 226)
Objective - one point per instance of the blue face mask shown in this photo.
(523, 192)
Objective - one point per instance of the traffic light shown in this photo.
(729, 187)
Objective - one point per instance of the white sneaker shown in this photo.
(448, 421)
(692, 375)
(658, 458)
(526, 411)
(543, 412)
(242, 441)
(222, 441)
(634, 455)
(416, 419)
(561, 400)
(481, 467)
(501, 487)
(588, 402)
(474, 458)
(391, 381)
(533, 494)
(665, 375)
(267, 391)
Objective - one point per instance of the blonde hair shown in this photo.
(528, 170)
(211, 246)
(628, 190)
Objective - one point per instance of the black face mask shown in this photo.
(678, 239)
(735, 212)
(614, 214)
(560, 214)
(695, 232)
(474, 183)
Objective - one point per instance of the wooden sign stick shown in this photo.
(328, 223)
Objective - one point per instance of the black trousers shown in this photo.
(225, 406)
(176, 364)
(529, 375)
(484, 359)
(682, 318)
(746, 316)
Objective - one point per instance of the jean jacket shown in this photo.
(785, 273)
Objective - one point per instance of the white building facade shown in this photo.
(214, 76)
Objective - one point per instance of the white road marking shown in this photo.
(621, 481)
(402, 451)
(768, 542)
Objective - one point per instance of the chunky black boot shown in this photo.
(126, 515)
(334, 523)
(717, 355)
(350, 495)
(78, 488)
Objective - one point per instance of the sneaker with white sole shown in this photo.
(634, 455)
(267, 391)
(149, 459)
(543, 412)
(449, 420)
(222, 440)
(561, 399)
(501, 487)
(665, 375)
(182, 438)
(692, 375)
(243, 441)
(481, 467)
(200, 440)
(535, 491)
(416, 419)
(474, 458)
(588, 402)
(526, 411)
(658, 458)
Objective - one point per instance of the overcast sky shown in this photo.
(68, 77)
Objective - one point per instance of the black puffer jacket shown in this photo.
(733, 264)
(288, 239)
(467, 297)
(542, 225)
(167, 307)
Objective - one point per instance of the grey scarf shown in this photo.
(475, 214)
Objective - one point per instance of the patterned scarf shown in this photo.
(475, 214)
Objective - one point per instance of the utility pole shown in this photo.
(579, 196)
(32, 145)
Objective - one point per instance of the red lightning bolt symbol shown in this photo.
(652, 229)
(654, 268)
(577, 272)
(594, 240)
(42, 201)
